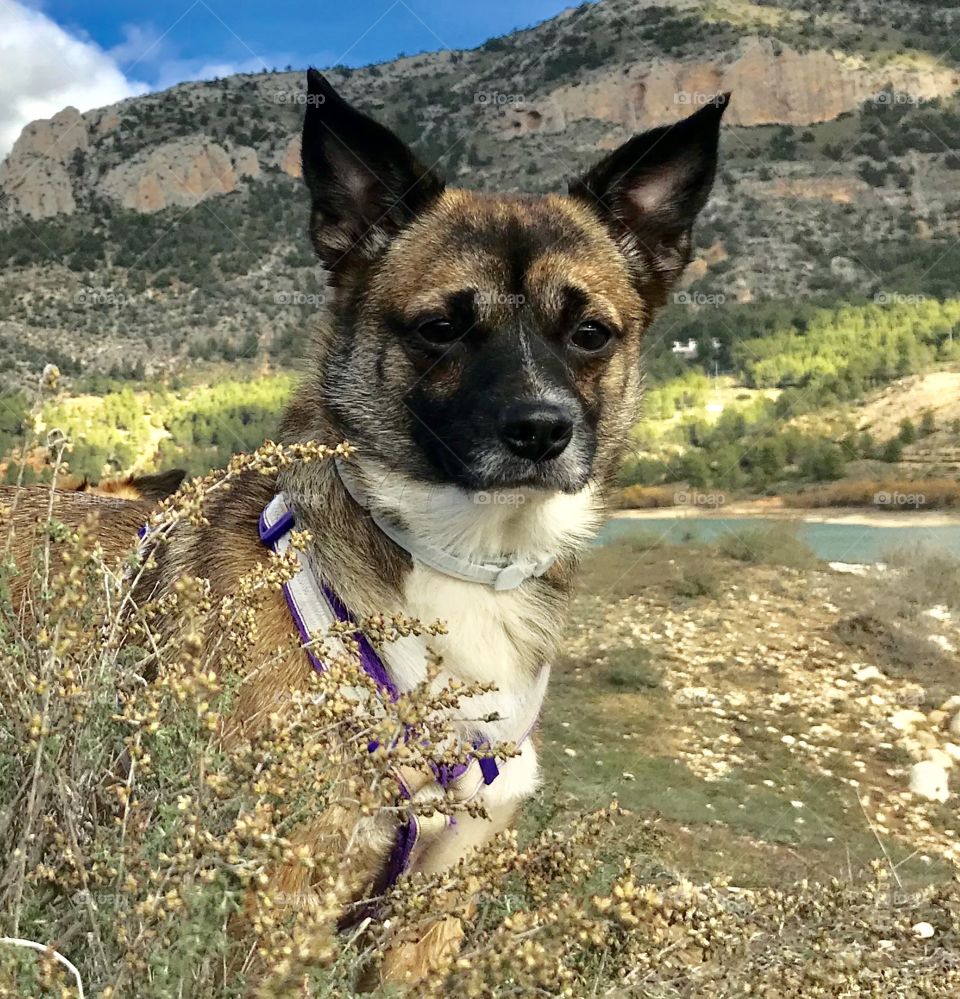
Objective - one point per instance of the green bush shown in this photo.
(775, 544)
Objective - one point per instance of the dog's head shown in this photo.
(493, 342)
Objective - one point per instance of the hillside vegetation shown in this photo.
(837, 180)
(196, 428)
(792, 406)
(786, 410)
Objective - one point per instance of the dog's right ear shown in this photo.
(365, 184)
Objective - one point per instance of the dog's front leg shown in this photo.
(426, 950)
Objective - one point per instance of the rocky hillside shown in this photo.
(169, 228)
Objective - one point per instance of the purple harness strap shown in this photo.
(373, 666)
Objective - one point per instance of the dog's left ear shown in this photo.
(649, 191)
(158, 485)
(365, 184)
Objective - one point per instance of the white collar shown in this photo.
(501, 574)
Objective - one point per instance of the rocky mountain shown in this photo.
(169, 228)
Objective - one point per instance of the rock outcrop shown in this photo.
(179, 173)
(289, 161)
(774, 84)
(35, 176)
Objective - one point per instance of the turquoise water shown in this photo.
(830, 542)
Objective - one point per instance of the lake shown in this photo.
(831, 542)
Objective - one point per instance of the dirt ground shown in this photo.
(938, 391)
(764, 718)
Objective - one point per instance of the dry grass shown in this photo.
(646, 497)
(775, 543)
(894, 495)
(134, 844)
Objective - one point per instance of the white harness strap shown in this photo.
(309, 606)
(315, 608)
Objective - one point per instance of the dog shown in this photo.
(483, 354)
(149, 488)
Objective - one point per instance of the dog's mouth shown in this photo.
(494, 469)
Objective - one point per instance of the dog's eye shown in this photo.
(438, 332)
(590, 336)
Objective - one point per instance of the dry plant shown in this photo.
(648, 497)
(139, 830)
(895, 495)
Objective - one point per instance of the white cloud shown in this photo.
(141, 43)
(43, 68)
(158, 57)
(173, 71)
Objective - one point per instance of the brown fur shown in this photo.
(410, 249)
(113, 522)
(151, 487)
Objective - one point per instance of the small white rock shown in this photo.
(955, 724)
(907, 719)
(570, 752)
(922, 930)
(853, 568)
(929, 780)
(867, 674)
(940, 757)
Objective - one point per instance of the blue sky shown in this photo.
(160, 42)
(90, 53)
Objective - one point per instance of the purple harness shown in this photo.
(310, 600)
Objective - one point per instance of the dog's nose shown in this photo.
(537, 431)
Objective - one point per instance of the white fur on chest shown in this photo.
(491, 638)
(496, 637)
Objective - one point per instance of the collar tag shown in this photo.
(510, 577)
